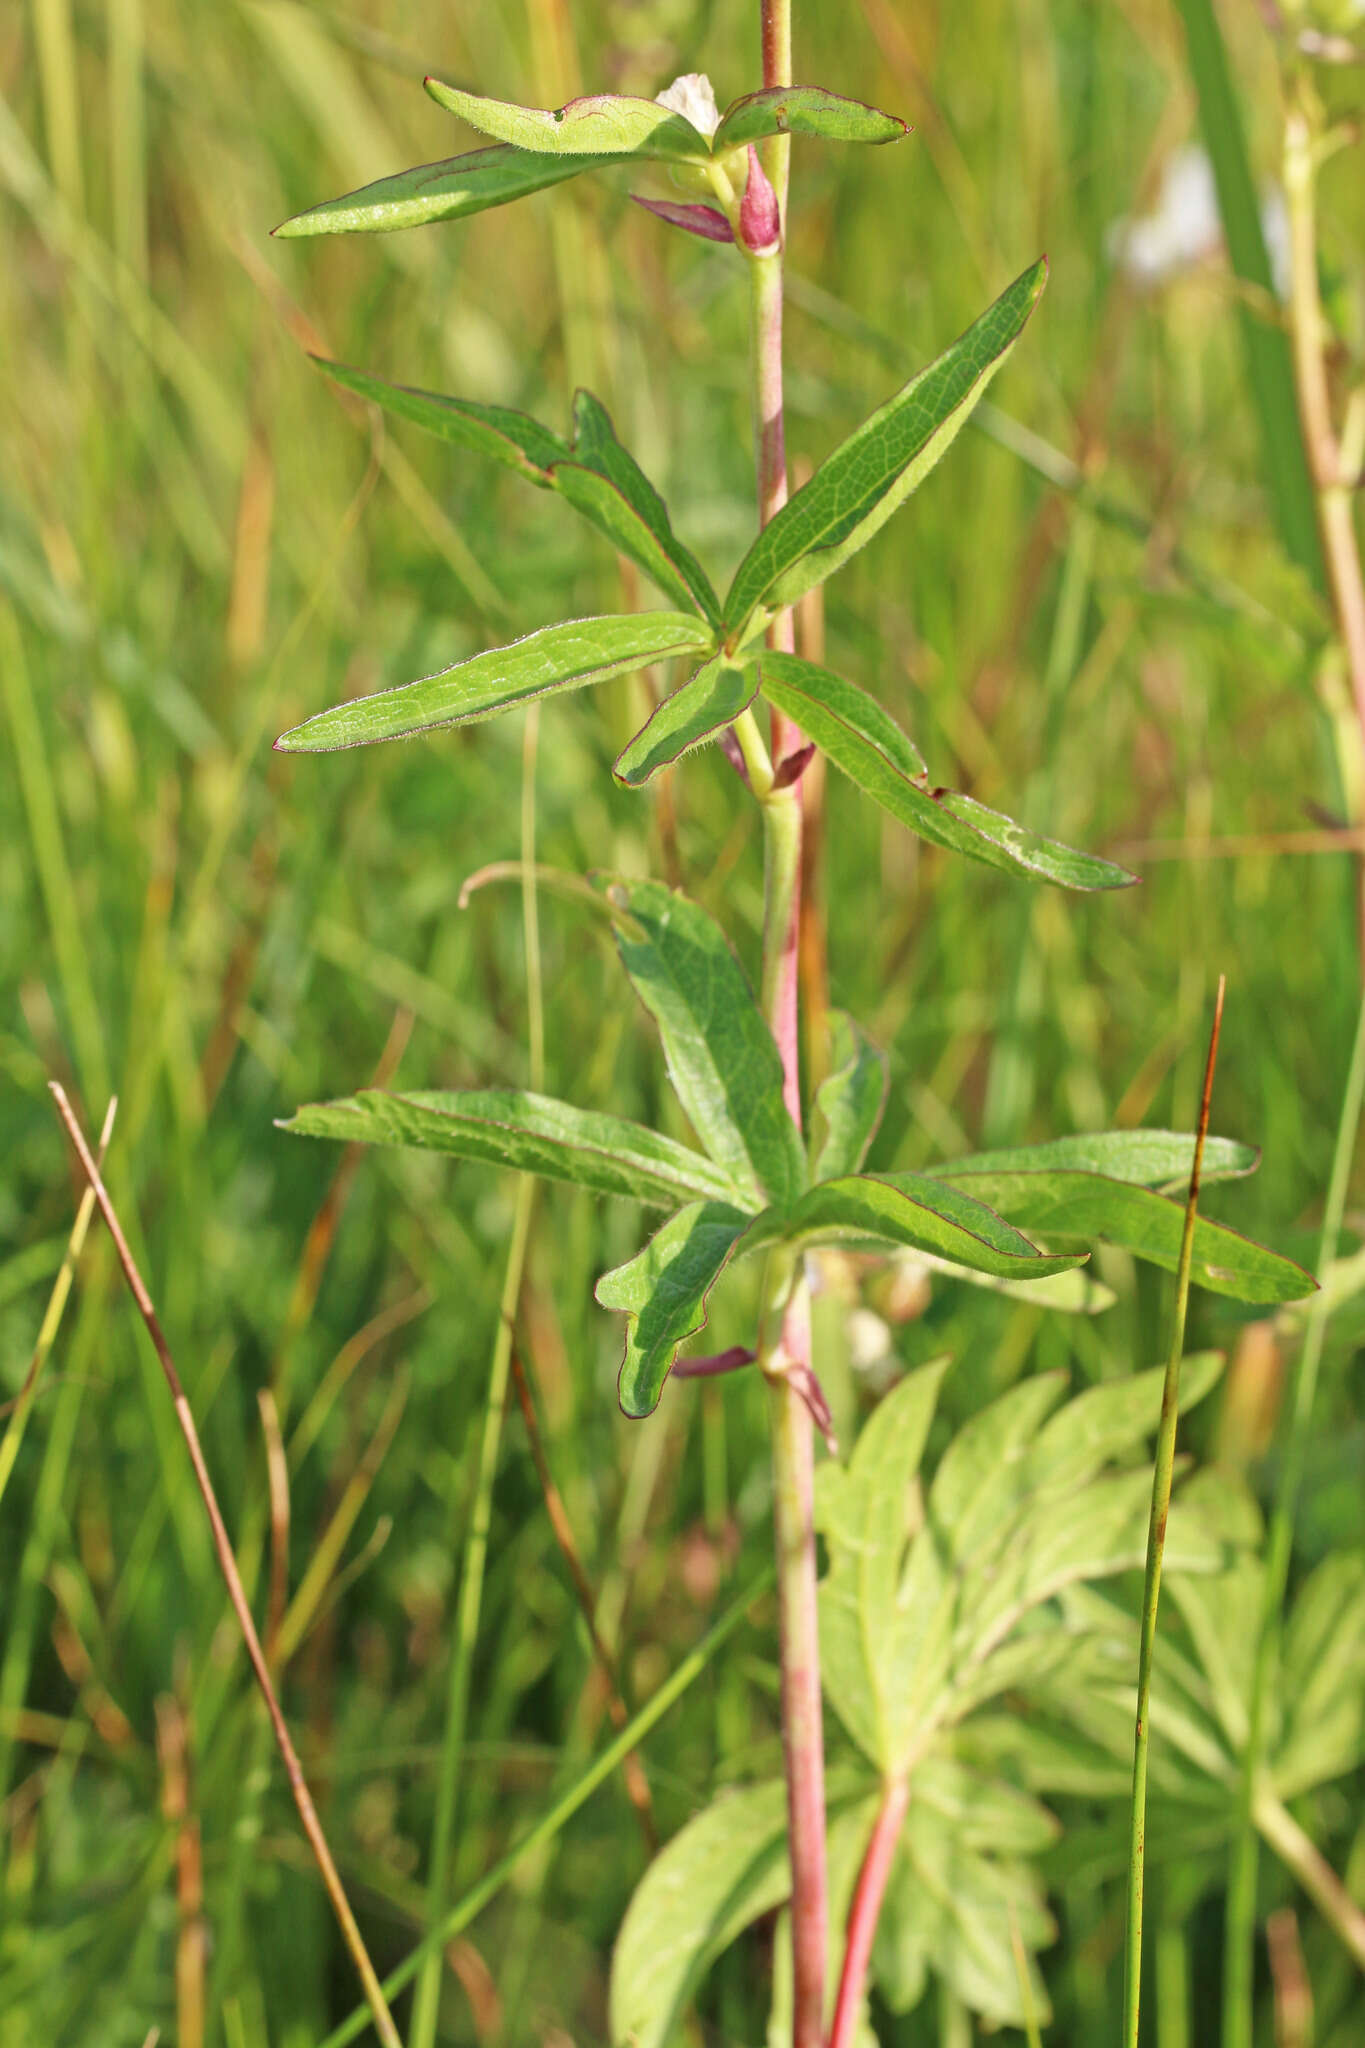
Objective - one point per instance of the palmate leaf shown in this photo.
(594, 473)
(858, 487)
(699, 708)
(908, 1209)
(512, 1127)
(722, 1059)
(663, 1291)
(452, 189)
(849, 1102)
(1068, 1203)
(867, 745)
(920, 1607)
(562, 657)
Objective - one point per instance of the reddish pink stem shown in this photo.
(866, 1909)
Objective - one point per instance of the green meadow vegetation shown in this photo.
(792, 952)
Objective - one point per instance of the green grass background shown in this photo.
(199, 546)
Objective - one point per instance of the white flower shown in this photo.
(1185, 226)
(694, 97)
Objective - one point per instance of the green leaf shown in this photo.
(906, 1208)
(802, 110)
(510, 1127)
(1075, 1293)
(663, 1292)
(1069, 1204)
(849, 1103)
(450, 190)
(608, 486)
(595, 473)
(951, 1908)
(556, 658)
(858, 487)
(863, 1510)
(722, 1059)
(707, 702)
(600, 124)
(718, 1875)
(514, 439)
(867, 746)
(1148, 1159)
(1324, 1654)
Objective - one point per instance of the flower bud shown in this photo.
(760, 222)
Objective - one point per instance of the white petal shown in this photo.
(694, 97)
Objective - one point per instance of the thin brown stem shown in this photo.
(303, 1799)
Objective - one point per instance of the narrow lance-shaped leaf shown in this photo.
(511, 1127)
(594, 473)
(722, 1059)
(700, 708)
(867, 745)
(849, 1103)
(556, 658)
(858, 487)
(907, 1208)
(607, 485)
(450, 190)
(1069, 1204)
(802, 110)
(1148, 1159)
(663, 1292)
(599, 124)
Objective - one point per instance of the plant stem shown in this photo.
(1240, 1931)
(427, 1998)
(1336, 518)
(866, 1908)
(1300, 1854)
(1156, 1546)
(793, 1433)
(303, 1799)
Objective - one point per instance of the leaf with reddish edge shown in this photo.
(865, 743)
(663, 1292)
(707, 703)
(803, 110)
(707, 221)
(599, 124)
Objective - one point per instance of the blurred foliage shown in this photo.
(201, 542)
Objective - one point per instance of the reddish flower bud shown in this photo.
(760, 222)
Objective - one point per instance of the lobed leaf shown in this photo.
(848, 1103)
(599, 124)
(907, 1208)
(511, 1127)
(1149, 1159)
(722, 1059)
(663, 1292)
(562, 657)
(802, 110)
(867, 745)
(1069, 1203)
(453, 189)
(701, 707)
(858, 487)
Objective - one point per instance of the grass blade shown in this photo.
(1162, 1472)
